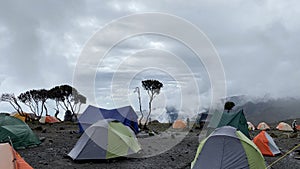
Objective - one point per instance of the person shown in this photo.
(228, 106)
(188, 123)
(294, 126)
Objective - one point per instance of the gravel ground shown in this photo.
(160, 151)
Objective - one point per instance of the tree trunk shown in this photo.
(150, 109)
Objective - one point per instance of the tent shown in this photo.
(104, 140)
(30, 116)
(10, 159)
(235, 119)
(179, 124)
(92, 114)
(226, 147)
(17, 131)
(266, 144)
(48, 119)
(17, 115)
(284, 127)
(250, 126)
(263, 126)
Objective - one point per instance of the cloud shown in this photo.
(256, 41)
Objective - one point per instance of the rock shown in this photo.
(39, 128)
(273, 135)
(42, 139)
(293, 135)
(61, 128)
(44, 131)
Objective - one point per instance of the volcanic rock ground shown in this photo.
(169, 148)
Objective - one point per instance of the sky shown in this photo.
(48, 43)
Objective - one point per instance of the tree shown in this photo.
(137, 89)
(27, 99)
(153, 89)
(35, 100)
(13, 101)
(56, 94)
(68, 98)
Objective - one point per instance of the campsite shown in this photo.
(60, 138)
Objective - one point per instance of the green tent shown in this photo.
(105, 139)
(237, 120)
(234, 119)
(225, 148)
(15, 130)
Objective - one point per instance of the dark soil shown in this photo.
(159, 151)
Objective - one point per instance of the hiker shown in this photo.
(294, 126)
(228, 106)
(188, 122)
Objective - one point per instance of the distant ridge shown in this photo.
(269, 110)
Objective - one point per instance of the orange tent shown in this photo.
(48, 119)
(263, 126)
(10, 159)
(266, 144)
(284, 127)
(179, 124)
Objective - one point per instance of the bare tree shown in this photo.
(137, 89)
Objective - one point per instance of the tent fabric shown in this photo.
(17, 131)
(263, 126)
(10, 159)
(17, 115)
(105, 139)
(179, 124)
(250, 126)
(92, 114)
(48, 119)
(282, 126)
(266, 144)
(226, 147)
(235, 119)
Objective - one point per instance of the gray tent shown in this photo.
(228, 148)
(104, 140)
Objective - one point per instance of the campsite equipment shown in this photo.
(92, 114)
(10, 159)
(263, 126)
(227, 147)
(266, 144)
(235, 119)
(179, 124)
(17, 115)
(30, 116)
(250, 126)
(18, 131)
(282, 126)
(48, 119)
(104, 140)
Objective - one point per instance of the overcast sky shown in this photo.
(256, 41)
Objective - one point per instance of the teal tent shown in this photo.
(18, 132)
(234, 119)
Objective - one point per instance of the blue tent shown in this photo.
(92, 114)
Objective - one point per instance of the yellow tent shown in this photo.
(17, 115)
